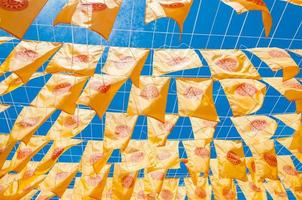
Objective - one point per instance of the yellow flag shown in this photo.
(171, 60)
(165, 157)
(181, 193)
(4, 107)
(107, 192)
(25, 152)
(61, 92)
(295, 2)
(198, 153)
(45, 195)
(292, 120)
(169, 189)
(288, 174)
(13, 82)
(7, 144)
(127, 62)
(94, 157)
(28, 122)
(231, 159)
(245, 96)
(92, 186)
(5, 168)
(100, 91)
(30, 195)
(177, 10)
(291, 89)
(199, 190)
(278, 59)
(276, 189)
(265, 159)
(150, 98)
(68, 194)
(158, 131)
(118, 130)
(27, 57)
(195, 98)
(229, 64)
(224, 189)
(252, 189)
(98, 16)
(79, 59)
(153, 181)
(203, 129)
(5, 182)
(123, 182)
(136, 156)
(297, 51)
(255, 128)
(59, 178)
(5, 39)
(241, 6)
(17, 16)
(139, 192)
(56, 150)
(68, 126)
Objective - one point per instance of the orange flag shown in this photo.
(291, 89)
(17, 15)
(123, 182)
(127, 62)
(79, 59)
(201, 190)
(203, 129)
(5, 39)
(56, 150)
(150, 98)
(28, 122)
(158, 131)
(255, 128)
(118, 130)
(231, 159)
(94, 158)
(61, 92)
(245, 96)
(241, 6)
(13, 82)
(195, 98)
(68, 126)
(224, 189)
(278, 59)
(99, 92)
(59, 178)
(136, 156)
(25, 152)
(171, 60)
(276, 189)
(7, 144)
(27, 57)
(265, 160)
(98, 16)
(177, 10)
(252, 189)
(229, 64)
(295, 2)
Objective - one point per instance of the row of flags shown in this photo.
(100, 15)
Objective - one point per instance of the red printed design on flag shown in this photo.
(280, 194)
(210, 124)
(202, 152)
(233, 158)
(28, 173)
(292, 84)
(14, 5)
(81, 58)
(253, 166)
(61, 175)
(254, 187)
(278, 54)
(96, 157)
(23, 153)
(62, 88)
(193, 93)
(137, 156)
(166, 194)
(122, 131)
(57, 153)
(290, 170)
(149, 92)
(258, 125)
(228, 64)
(128, 181)
(157, 175)
(2, 149)
(258, 2)
(95, 6)
(26, 54)
(93, 180)
(71, 122)
(141, 195)
(124, 61)
(228, 193)
(178, 61)
(270, 159)
(172, 5)
(28, 122)
(246, 89)
(163, 155)
(100, 86)
(167, 126)
(200, 192)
